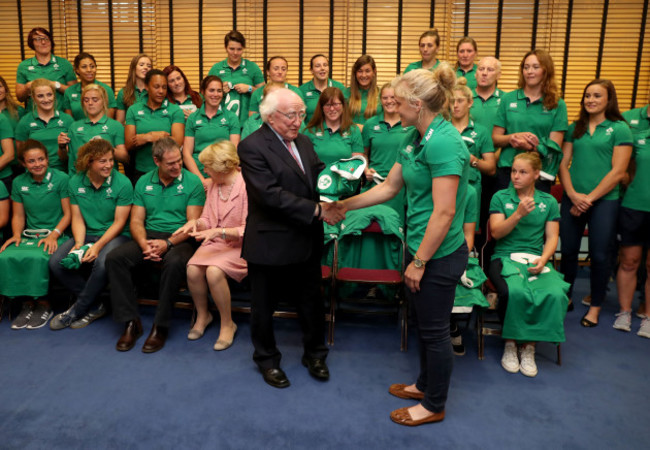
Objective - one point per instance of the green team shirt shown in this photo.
(167, 206)
(418, 65)
(247, 72)
(13, 120)
(98, 205)
(332, 146)
(470, 76)
(258, 96)
(6, 132)
(57, 69)
(592, 155)
(140, 96)
(637, 195)
(311, 95)
(41, 200)
(484, 112)
(439, 153)
(84, 130)
(33, 127)
(4, 195)
(145, 120)
(470, 213)
(528, 235)
(638, 119)
(478, 142)
(251, 125)
(206, 131)
(383, 143)
(360, 118)
(517, 114)
(72, 99)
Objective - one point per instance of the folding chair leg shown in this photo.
(480, 335)
(559, 354)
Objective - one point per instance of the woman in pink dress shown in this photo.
(220, 228)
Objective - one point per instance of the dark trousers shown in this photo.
(86, 289)
(601, 218)
(494, 274)
(431, 308)
(120, 264)
(299, 284)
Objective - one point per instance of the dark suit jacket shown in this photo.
(281, 228)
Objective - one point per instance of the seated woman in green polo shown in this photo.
(532, 295)
(41, 214)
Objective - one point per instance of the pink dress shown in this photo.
(227, 214)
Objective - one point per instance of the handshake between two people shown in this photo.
(333, 212)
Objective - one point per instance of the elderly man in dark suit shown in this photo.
(283, 240)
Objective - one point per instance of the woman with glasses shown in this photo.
(331, 130)
(44, 64)
(86, 68)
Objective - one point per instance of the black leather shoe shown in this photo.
(132, 331)
(317, 368)
(156, 339)
(275, 377)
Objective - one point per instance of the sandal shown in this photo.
(587, 323)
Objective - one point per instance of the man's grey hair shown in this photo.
(271, 101)
(162, 146)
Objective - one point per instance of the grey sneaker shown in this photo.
(528, 366)
(644, 329)
(22, 319)
(510, 361)
(40, 316)
(63, 320)
(89, 318)
(623, 321)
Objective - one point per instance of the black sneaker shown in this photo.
(457, 344)
(40, 316)
(22, 319)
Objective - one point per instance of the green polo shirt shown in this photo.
(167, 206)
(41, 200)
(383, 143)
(33, 127)
(258, 96)
(471, 211)
(478, 142)
(528, 235)
(592, 155)
(247, 72)
(72, 99)
(13, 120)
(57, 69)
(637, 195)
(98, 205)
(145, 120)
(251, 125)
(332, 146)
(206, 131)
(485, 111)
(311, 95)
(140, 96)
(516, 114)
(360, 118)
(418, 65)
(6, 132)
(83, 131)
(4, 195)
(439, 153)
(638, 119)
(470, 76)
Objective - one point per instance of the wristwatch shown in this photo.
(250, 88)
(418, 263)
(169, 244)
(474, 164)
(57, 85)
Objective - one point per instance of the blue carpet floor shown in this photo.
(71, 389)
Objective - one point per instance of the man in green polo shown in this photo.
(164, 200)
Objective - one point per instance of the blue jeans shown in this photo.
(85, 290)
(431, 308)
(601, 218)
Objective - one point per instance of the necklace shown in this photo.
(229, 192)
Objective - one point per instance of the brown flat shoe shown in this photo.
(398, 391)
(403, 417)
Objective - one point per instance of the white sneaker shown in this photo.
(644, 329)
(623, 321)
(528, 366)
(510, 361)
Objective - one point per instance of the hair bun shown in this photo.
(461, 81)
(445, 75)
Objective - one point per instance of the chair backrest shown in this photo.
(557, 191)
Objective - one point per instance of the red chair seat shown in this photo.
(382, 276)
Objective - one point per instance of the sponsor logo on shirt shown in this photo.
(24, 188)
(634, 122)
(80, 129)
(426, 138)
(140, 113)
(74, 95)
(510, 206)
(377, 128)
(81, 190)
(641, 141)
(199, 122)
(324, 182)
(222, 71)
(513, 105)
(408, 149)
(309, 94)
(33, 124)
(148, 188)
(319, 133)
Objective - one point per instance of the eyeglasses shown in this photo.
(333, 105)
(293, 115)
(41, 39)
